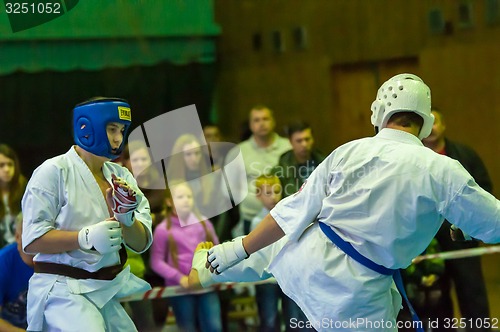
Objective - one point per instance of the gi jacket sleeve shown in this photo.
(476, 212)
(294, 213)
(41, 202)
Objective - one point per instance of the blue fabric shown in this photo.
(347, 248)
(293, 316)
(13, 285)
(267, 296)
(197, 312)
(90, 120)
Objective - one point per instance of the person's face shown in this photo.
(438, 129)
(192, 155)
(139, 161)
(7, 169)
(115, 130)
(269, 195)
(212, 134)
(261, 122)
(302, 143)
(182, 199)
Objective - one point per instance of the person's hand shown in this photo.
(122, 200)
(223, 256)
(184, 282)
(194, 279)
(204, 245)
(428, 281)
(458, 235)
(200, 276)
(105, 236)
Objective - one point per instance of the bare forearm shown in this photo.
(135, 236)
(54, 242)
(267, 231)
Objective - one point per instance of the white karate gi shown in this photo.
(387, 195)
(63, 194)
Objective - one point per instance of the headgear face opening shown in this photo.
(403, 93)
(90, 119)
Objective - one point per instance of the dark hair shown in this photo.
(296, 127)
(406, 119)
(260, 107)
(438, 111)
(209, 124)
(100, 99)
(16, 186)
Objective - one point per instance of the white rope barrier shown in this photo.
(171, 291)
(463, 253)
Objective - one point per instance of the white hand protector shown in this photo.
(125, 201)
(223, 256)
(105, 236)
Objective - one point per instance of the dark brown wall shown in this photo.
(352, 47)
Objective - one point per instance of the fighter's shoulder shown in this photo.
(347, 148)
(50, 169)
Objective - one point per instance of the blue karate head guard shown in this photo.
(90, 119)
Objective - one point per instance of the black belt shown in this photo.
(106, 273)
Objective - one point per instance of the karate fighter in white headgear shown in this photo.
(79, 208)
(375, 204)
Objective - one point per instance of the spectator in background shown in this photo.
(217, 148)
(175, 240)
(269, 193)
(17, 269)
(137, 159)
(295, 166)
(422, 282)
(188, 162)
(12, 185)
(465, 273)
(261, 152)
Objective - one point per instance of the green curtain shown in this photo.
(98, 34)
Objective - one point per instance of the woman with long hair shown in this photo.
(188, 163)
(12, 185)
(137, 159)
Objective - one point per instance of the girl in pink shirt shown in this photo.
(174, 243)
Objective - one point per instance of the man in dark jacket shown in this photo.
(466, 273)
(295, 166)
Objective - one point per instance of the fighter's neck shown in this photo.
(93, 162)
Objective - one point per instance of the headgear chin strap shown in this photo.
(90, 119)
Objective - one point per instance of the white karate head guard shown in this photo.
(403, 93)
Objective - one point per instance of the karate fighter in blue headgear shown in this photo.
(79, 210)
